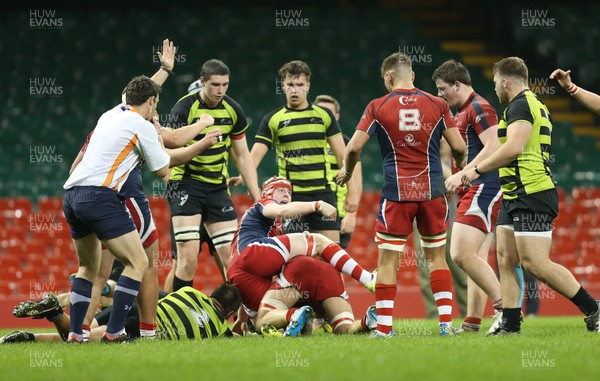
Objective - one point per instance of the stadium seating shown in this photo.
(345, 59)
(28, 257)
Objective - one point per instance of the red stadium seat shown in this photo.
(18, 232)
(562, 195)
(50, 205)
(16, 203)
(10, 262)
(7, 288)
(241, 202)
(30, 273)
(38, 246)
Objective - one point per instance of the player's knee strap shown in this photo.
(222, 237)
(187, 233)
(430, 241)
(272, 304)
(389, 242)
(545, 234)
(310, 243)
(343, 318)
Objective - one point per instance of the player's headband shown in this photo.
(273, 183)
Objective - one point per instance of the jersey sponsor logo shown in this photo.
(409, 141)
(480, 116)
(183, 200)
(286, 123)
(404, 100)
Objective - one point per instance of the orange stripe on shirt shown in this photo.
(122, 155)
(116, 187)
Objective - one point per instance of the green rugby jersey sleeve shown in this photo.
(264, 134)
(180, 112)
(334, 127)
(241, 123)
(519, 110)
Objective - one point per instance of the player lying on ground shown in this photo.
(309, 280)
(187, 313)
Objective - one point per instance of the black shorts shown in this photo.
(532, 213)
(190, 197)
(345, 240)
(346, 237)
(314, 221)
(132, 321)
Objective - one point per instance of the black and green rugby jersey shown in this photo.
(300, 140)
(210, 166)
(189, 314)
(530, 171)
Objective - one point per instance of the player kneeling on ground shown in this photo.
(309, 280)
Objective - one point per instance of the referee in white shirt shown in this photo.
(96, 212)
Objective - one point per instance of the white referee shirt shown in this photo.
(120, 140)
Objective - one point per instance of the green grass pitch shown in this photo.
(547, 349)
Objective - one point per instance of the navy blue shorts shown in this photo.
(98, 210)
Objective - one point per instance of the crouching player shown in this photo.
(305, 279)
